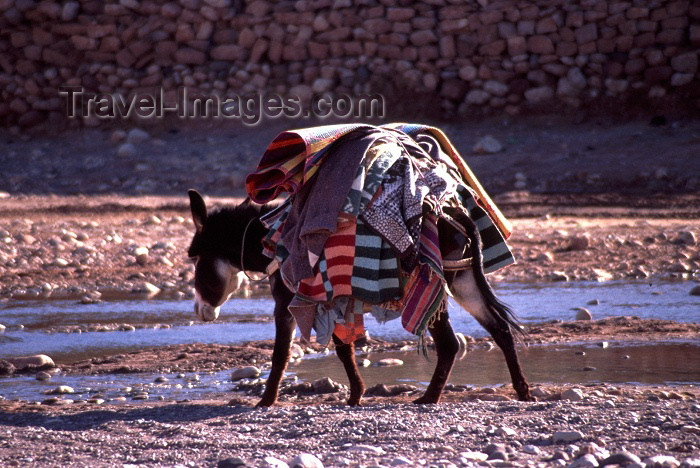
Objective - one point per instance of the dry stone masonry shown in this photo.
(495, 55)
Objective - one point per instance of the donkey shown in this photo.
(228, 240)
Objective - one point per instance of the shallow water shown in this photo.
(242, 320)
(658, 363)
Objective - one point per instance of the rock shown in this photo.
(389, 362)
(296, 352)
(621, 458)
(398, 461)
(498, 455)
(579, 242)
(6, 367)
(272, 462)
(690, 463)
(362, 448)
(685, 63)
(531, 449)
(248, 372)
(661, 461)
(505, 431)
(147, 289)
(586, 461)
(572, 394)
(473, 457)
(43, 376)
(487, 145)
(583, 314)
(558, 276)
(61, 390)
(233, 462)
(141, 255)
(38, 360)
(325, 385)
(477, 97)
(127, 150)
(566, 436)
(686, 238)
(495, 88)
(3, 327)
(695, 291)
(305, 460)
(539, 94)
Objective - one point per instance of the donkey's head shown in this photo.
(216, 251)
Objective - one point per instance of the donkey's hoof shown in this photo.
(426, 400)
(265, 402)
(354, 401)
(527, 397)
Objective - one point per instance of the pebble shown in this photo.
(38, 360)
(362, 448)
(233, 462)
(661, 461)
(306, 460)
(43, 376)
(136, 136)
(474, 456)
(296, 352)
(566, 436)
(579, 242)
(389, 362)
(272, 462)
(325, 385)
(487, 145)
(585, 461)
(621, 458)
(248, 372)
(583, 314)
(127, 150)
(572, 394)
(61, 390)
(531, 449)
(695, 291)
(398, 461)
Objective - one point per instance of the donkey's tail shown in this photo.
(501, 312)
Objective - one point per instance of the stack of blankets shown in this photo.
(358, 230)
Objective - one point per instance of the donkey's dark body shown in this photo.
(228, 240)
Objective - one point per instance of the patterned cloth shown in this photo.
(380, 227)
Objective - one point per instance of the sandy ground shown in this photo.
(593, 201)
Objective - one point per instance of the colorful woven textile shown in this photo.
(294, 156)
(381, 224)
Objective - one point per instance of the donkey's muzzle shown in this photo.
(206, 312)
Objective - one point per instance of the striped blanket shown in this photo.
(356, 261)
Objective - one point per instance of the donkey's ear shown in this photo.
(199, 209)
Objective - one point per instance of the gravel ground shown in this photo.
(591, 426)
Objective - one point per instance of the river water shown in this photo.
(35, 326)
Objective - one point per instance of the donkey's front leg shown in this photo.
(284, 331)
(346, 354)
(447, 346)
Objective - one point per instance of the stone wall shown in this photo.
(467, 56)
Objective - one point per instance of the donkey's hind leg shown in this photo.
(284, 331)
(346, 354)
(447, 346)
(467, 294)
